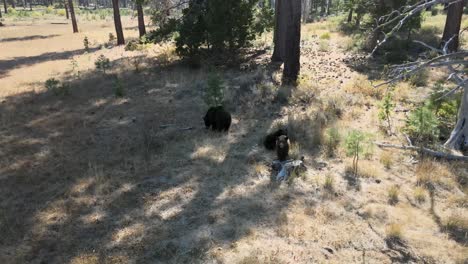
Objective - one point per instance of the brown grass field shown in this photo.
(90, 177)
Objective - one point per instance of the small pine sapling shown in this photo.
(102, 63)
(86, 44)
(385, 111)
(214, 94)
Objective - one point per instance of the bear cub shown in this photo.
(218, 119)
(282, 147)
(270, 139)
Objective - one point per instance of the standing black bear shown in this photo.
(282, 148)
(270, 139)
(218, 119)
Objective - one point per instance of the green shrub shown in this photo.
(214, 94)
(325, 36)
(331, 141)
(420, 78)
(445, 108)
(49, 10)
(102, 63)
(386, 107)
(324, 45)
(54, 86)
(422, 124)
(119, 88)
(86, 44)
(357, 143)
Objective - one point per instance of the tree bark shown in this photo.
(292, 44)
(350, 15)
(0, 13)
(329, 2)
(141, 19)
(459, 137)
(73, 17)
(118, 23)
(279, 37)
(5, 6)
(452, 26)
(66, 10)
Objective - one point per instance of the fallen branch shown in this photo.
(430, 152)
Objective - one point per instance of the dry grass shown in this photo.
(392, 194)
(361, 85)
(394, 232)
(419, 194)
(402, 92)
(386, 158)
(430, 173)
(92, 178)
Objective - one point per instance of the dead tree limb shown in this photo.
(430, 152)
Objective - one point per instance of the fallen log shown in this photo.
(430, 152)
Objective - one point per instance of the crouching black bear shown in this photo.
(218, 119)
(270, 139)
(282, 147)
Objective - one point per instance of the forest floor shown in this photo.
(92, 177)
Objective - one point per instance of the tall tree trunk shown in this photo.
(350, 15)
(5, 6)
(293, 41)
(279, 37)
(459, 137)
(329, 2)
(30, 5)
(118, 23)
(72, 14)
(0, 13)
(452, 26)
(13, 4)
(66, 10)
(141, 19)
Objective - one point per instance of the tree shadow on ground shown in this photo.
(94, 177)
(27, 38)
(19, 62)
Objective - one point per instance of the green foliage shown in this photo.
(119, 90)
(445, 108)
(264, 18)
(357, 143)
(325, 36)
(331, 141)
(386, 107)
(420, 78)
(422, 124)
(54, 86)
(165, 32)
(102, 63)
(86, 44)
(214, 94)
(219, 25)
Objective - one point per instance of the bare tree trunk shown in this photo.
(292, 44)
(459, 137)
(0, 13)
(30, 5)
(5, 6)
(66, 10)
(118, 23)
(452, 26)
(350, 15)
(72, 14)
(279, 37)
(141, 19)
(329, 2)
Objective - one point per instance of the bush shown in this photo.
(329, 183)
(325, 36)
(214, 94)
(420, 194)
(386, 107)
(102, 63)
(86, 44)
(422, 124)
(394, 232)
(386, 158)
(54, 86)
(331, 141)
(111, 38)
(217, 24)
(324, 45)
(393, 193)
(420, 78)
(119, 88)
(357, 143)
(446, 109)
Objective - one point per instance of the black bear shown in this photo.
(282, 147)
(270, 139)
(218, 119)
